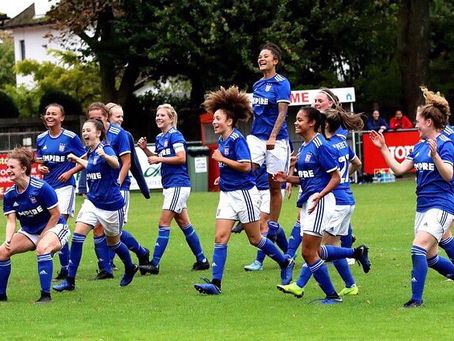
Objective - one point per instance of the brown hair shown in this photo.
(331, 97)
(98, 106)
(313, 114)
(99, 126)
(234, 103)
(436, 108)
(59, 106)
(337, 117)
(25, 157)
(275, 50)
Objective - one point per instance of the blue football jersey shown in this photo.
(267, 94)
(316, 160)
(117, 138)
(449, 132)
(167, 145)
(235, 148)
(345, 154)
(104, 189)
(431, 190)
(54, 150)
(342, 131)
(32, 205)
(261, 178)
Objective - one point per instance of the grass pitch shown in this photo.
(166, 307)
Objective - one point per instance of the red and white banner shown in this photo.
(400, 144)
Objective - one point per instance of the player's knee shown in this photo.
(43, 248)
(309, 254)
(255, 240)
(4, 253)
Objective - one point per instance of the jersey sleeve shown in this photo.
(351, 153)
(123, 143)
(39, 148)
(109, 151)
(178, 142)
(48, 196)
(283, 92)
(8, 205)
(327, 157)
(242, 150)
(446, 152)
(77, 148)
(411, 155)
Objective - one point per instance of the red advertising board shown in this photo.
(400, 144)
(4, 178)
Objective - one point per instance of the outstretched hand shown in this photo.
(377, 139)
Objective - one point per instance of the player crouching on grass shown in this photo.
(34, 203)
(239, 198)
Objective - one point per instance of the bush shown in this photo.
(8, 108)
(72, 106)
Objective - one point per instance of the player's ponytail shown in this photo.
(337, 117)
(436, 108)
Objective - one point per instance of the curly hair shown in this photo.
(436, 108)
(234, 103)
(25, 157)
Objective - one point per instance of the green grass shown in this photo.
(167, 307)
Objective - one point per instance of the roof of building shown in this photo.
(25, 18)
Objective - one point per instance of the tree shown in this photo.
(7, 75)
(71, 105)
(413, 51)
(9, 109)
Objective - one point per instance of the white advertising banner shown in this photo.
(152, 173)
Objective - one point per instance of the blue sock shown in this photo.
(271, 251)
(442, 265)
(77, 243)
(281, 239)
(161, 244)
(304, 277)
(63, 255)
(219, 258)
(331, 252)
(321, 275)
(122, 251)
(111, 256)
(132, 244)
(45, 268)
(448, 245)
(344, 271)
(295, 240)
(419, 272)
(5, 270)
(102, 252)
(194, 242)
(260, 255)
(347, 241)
(273, 227)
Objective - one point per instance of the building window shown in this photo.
(22, 49)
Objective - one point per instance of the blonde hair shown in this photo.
(110, 106)
(171, 112)
(436, 108)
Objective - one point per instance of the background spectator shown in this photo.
(376, 122)
(400, 121)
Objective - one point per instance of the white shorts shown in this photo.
(111, 221)
(338, 226)
(265, 201)
(125, 195)
(316, 222)
(242, 205)
(434, 221)
(60, 230)
(66, 200)
(277, 159)
(175, 198)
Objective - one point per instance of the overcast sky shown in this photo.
(14, 7)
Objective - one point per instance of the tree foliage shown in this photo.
(7, 75)
(9, 108)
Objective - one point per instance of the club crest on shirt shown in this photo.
(166, 143)
(33, 200)
(95, 159)
(61, 147)
(268, 87)
(226, 151)
(308, 157)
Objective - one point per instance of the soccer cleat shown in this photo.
(413, 304)
(361, 254)
(62, 274)
(114, 267)
(3, 298)
(129, 276)
(207, 288)
(287, 271)
(291, 288)
(353, 239)
(353, 290)
(144, 260)
(331, 300)
(254, 266)
(65, 285)
(150, 267)
(199, 265)
(45, 298)
(103, 275)
(238, 228)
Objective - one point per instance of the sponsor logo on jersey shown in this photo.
(94, 176)
(259, 101)
(306, 173)
(33, 211)
(424, 166)
(61, 147)
(54, 158)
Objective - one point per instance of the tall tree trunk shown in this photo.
(128, 81)
(108, 90)
(413, 51)
(197, 90)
